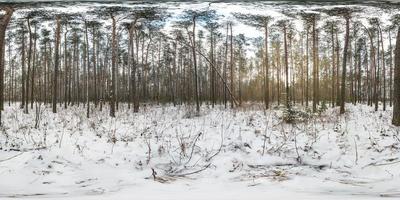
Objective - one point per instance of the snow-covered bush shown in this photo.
(322, 108)
(294, 115)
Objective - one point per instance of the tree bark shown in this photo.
(343, 84)
(232, 65)
(307, 65)
(88, 70)
(396, 91)
(390, 70)
(315, 70)
(266, 89)
(286, 65)
(195, 67)
(4, 21)
(33, 68)
(23, 67)
(383, 70)
(65, 69)
(113, 67)
(29, 68)
(56, 63)
(333, 68)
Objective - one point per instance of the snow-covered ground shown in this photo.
(165, 152)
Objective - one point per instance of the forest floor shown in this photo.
(165, 152)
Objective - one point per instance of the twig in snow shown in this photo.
(193, 145)
(397, 137)
(265, 136)
(153, 173)
(219, 150)
(148, 151)
(355, 145)
(295, 145)
(194, 172)
(264, 144)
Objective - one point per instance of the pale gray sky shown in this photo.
(225, 10)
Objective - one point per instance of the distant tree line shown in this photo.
(113, 55)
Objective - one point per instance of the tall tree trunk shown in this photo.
(78, 88)
(29, 68)
(88, 70)
(56, 63)
(286, 65)
(4, 21)
(113, 67)
(134, 73)
(23, 67)
(307, 65)
(337, 70)
(65, 69)
(390, 70)
(240, 76)
(33, 68)
(377, 71)
(94, 48)
(11, 77)
(46, 69)
(212, 71)
(383, 70)
(226, 63)
(359, 75)
(333, 68)
(266, 89)
(195, 67)
(343, 84)
(396, 91)
(231, 65)
(301, 69)
(315, 70)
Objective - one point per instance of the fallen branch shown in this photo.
(382, 164)
(12, 157)
(293, 164)
(24, 149)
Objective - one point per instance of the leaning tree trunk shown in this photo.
(396, 91)
(343, 84)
